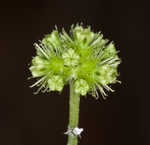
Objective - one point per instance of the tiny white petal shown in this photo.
(77, 131)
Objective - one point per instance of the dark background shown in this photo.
(27, 119)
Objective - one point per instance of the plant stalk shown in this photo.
(74, 104)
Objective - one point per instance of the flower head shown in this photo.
(84, 57)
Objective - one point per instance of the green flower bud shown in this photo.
(81, 87)
(107, 74)
(39, 61)
(55, 83)
(52, 40)
(36, 71)
(39, 66)
(109, 51)
(83, 36)
(70, 57)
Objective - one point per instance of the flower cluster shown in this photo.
(84, 57)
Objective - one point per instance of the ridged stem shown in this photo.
(74, 104)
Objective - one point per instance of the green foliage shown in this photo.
(83, 57)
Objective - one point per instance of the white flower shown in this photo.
(56, 83)
(81, 87)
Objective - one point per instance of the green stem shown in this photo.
(74, 104)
